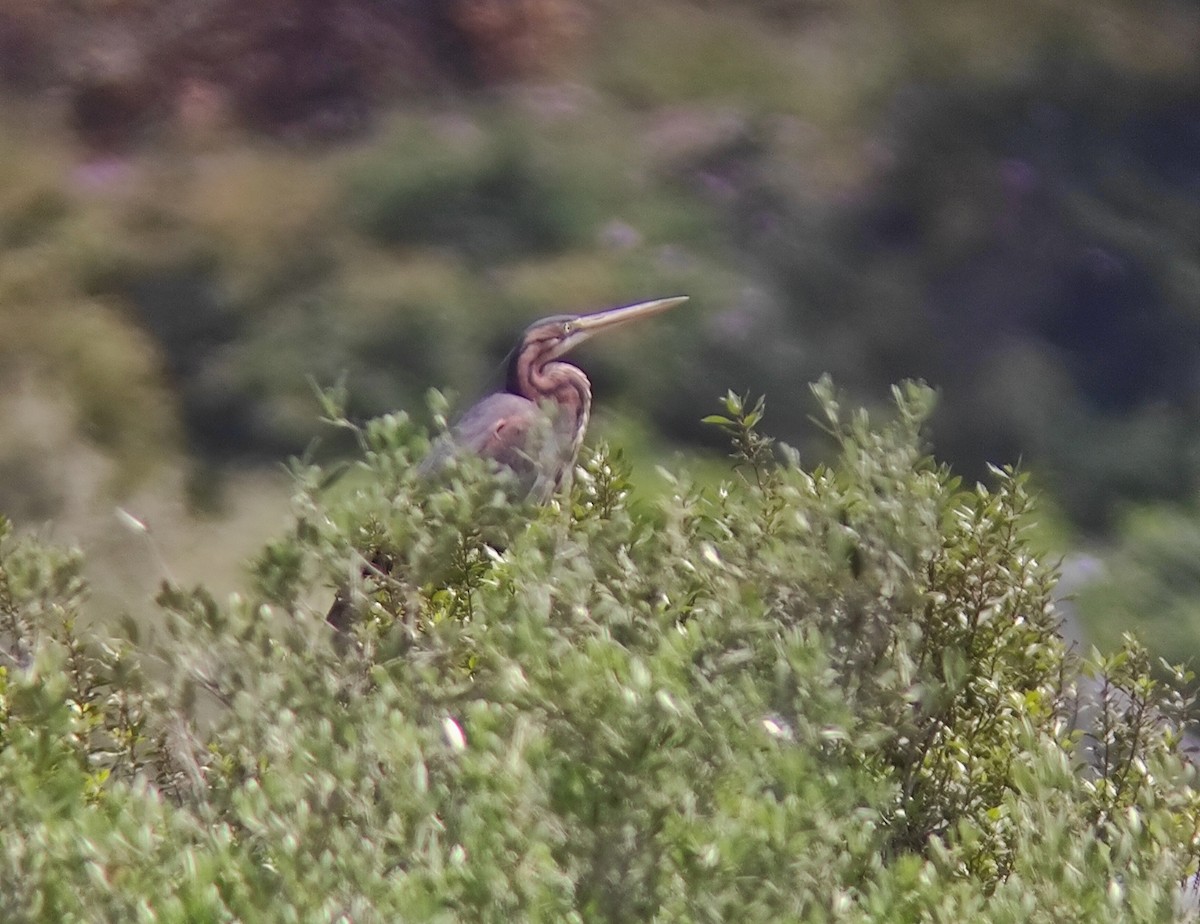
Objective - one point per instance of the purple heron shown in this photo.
(536, 425)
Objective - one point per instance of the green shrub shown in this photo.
(827, 694)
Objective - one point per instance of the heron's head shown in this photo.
(555, 336)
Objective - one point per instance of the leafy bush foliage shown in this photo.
(827, 694)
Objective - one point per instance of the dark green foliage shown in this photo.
(1027, 238)
(1152, 573)
(490, 200)
(809, 694)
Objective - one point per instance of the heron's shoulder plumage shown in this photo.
(511, 431)
(495, 421)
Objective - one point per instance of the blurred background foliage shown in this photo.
(206, 205)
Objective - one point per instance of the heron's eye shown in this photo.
(568, 328)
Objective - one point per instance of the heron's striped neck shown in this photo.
(558, 383)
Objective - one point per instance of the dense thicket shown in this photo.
(830, 693)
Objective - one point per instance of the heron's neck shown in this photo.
(565, 386)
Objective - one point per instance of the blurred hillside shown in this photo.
(205, 205)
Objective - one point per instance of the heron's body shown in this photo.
(517, 434)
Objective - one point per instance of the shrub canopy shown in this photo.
(830, 693)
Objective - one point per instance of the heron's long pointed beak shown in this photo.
(587, 325)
